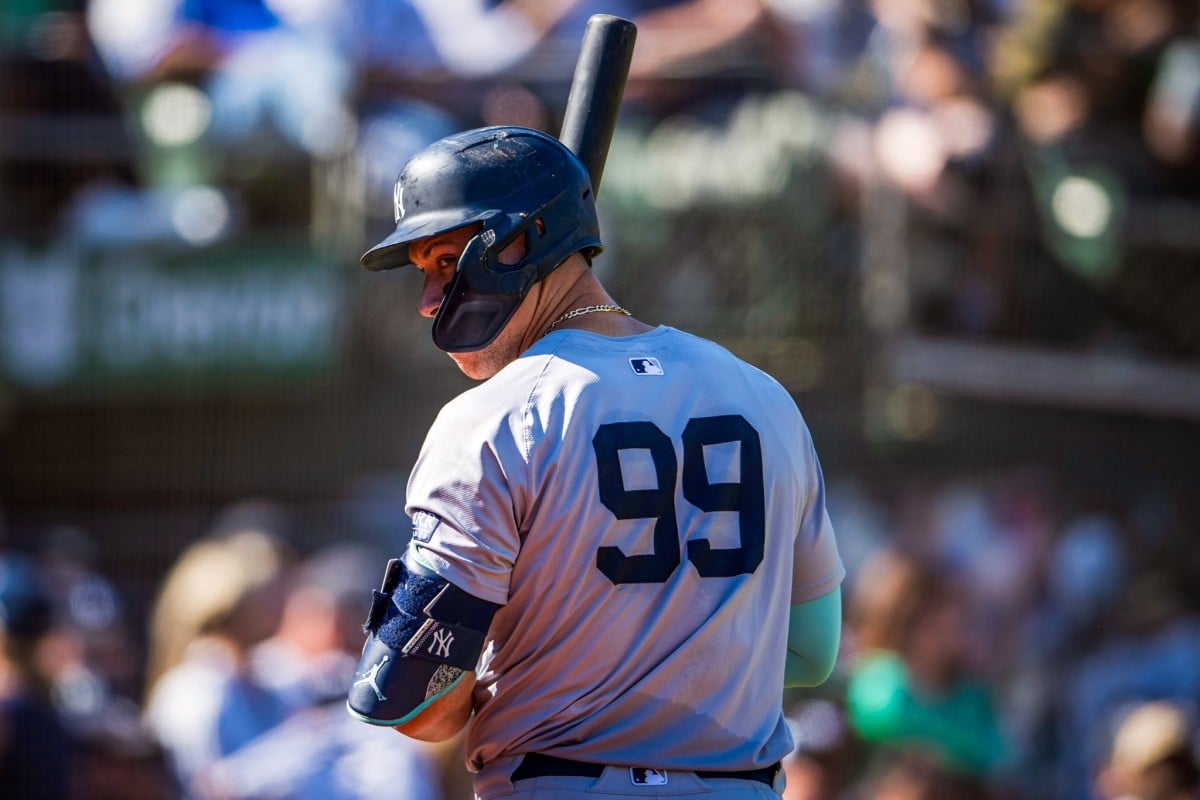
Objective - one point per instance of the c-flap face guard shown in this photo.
(485, 293)
(480, 260)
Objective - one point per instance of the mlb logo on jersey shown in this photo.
(643, 776)
(645, 365)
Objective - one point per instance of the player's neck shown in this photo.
(582, 303)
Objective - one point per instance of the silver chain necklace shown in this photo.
(579, 312)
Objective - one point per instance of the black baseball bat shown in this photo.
(597, 87)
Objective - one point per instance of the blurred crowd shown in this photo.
(234, 686)
(1074, 124)
(1006, 637)
(1009, 636)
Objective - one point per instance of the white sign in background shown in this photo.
(62, 319)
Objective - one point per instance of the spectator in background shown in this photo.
(822, 763)
(319, 751)
(914, 775)
(693, 54)
(912, 688)
(63, 734)
(90, 662)
(1171, 122)
(273, 72)
(119, 759)
(61, 124)
(313, 649)
(1150, 649)
(1079, 74)
(242, 97)
(36, 752)
(222, 596)
(95, 655)
(1153, 756)
(429, 68)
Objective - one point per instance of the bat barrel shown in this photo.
(597, 86)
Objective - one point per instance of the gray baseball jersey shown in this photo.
(646, 509)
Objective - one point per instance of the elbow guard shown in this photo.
(423, 633)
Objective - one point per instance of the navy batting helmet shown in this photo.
(516, 182)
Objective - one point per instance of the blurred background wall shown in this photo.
(964, 233)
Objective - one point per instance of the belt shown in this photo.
(538, 765)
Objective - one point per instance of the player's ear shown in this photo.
(515, 251)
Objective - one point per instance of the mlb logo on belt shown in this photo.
(642, 776)
(645, 365)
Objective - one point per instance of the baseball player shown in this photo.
(620, 552)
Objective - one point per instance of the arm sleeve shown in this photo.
(814, 633)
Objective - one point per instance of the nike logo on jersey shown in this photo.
(645, 365)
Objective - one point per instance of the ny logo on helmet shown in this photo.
(398, 202)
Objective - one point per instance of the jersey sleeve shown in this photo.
(462, 499)
(817, 565)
